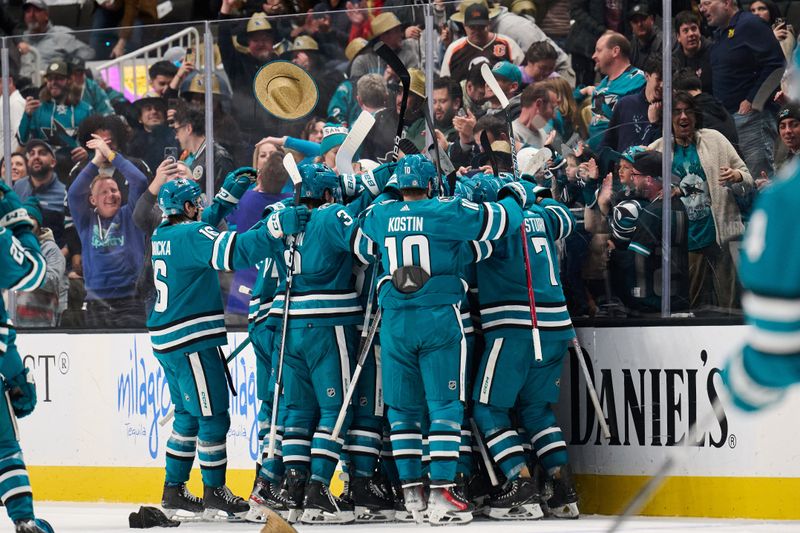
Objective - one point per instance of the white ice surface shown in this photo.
(113, 518)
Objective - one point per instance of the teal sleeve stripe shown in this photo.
(639, 249)
(35, 276)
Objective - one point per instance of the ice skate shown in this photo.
(371, 503)
(321, 507)
(401, 514)
(414, 500)
(294, 490)
(446, 505)
(37, 525)
(266, 496)
(219, 503)
(564, 502)
(519, 500)
(180, 504)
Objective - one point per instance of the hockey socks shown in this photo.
(15, 488)
(550, 448)
(364, 447)
(503, 443)
(181, 449)
(406, 438)
(324, 455)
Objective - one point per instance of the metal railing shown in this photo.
(133, 65)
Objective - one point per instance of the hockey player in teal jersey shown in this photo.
(760, 373)
(187, 328)
(422, 340)
(320, 346)
(509, 375)
(266, 494)
(22, 268)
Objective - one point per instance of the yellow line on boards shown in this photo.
(714, 497)
(124, 484)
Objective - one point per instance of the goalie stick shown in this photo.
(490, 80)
(353, 141)
(291, 167)
(388, 55)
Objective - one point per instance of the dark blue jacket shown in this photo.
(743, 55)
(113, 250)
(629, 125)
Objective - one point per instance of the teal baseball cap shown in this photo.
(507, 70)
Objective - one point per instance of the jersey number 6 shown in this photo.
(160, 270)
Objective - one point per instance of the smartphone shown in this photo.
(171, 152)
(189, 58)
(461, 112)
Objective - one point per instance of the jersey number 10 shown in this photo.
(414, 250)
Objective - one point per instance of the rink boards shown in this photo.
(96, 435)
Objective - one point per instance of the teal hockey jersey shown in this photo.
(503, 286)
(188, 314)
(262, 294)
(430, 234)
(22, 268)
(769, 269)
(323, 291)
(605, 98)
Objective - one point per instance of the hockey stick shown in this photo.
(601, 417)
(388, 55)
(242, 345)
(291, 167)
(362, 357)
(487, 149)
(353, 141)
(490, 80)
(672, 461)
(487, 462)
(536, 162)
(437, 159)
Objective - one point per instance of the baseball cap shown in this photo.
(639, 10)
(507, 70)
(476, 15)
(789, 111)
(33, 143)
(58, 68)
(648, 163)
(38, 4)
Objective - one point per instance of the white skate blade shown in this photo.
(437, 517)
(528, 511)
(218, 515)
(569, 510)
(363, 514)
(318, 516)
(403, 516)
(417, 516)
(182, 515)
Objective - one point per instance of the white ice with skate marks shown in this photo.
(113, 518)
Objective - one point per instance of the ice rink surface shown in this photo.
(113, 518)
